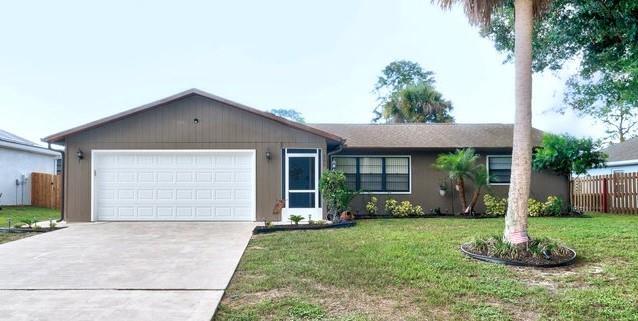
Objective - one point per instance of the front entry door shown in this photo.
(302, 184)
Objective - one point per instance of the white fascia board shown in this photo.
(30, 149)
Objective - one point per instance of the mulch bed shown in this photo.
(459, 216)
(28, 230)
(300, 227)
(527, 259)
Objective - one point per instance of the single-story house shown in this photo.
(19, 158)
(196, 156)
(623, 158)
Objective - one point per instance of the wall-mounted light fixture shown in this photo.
(195, 121)
(268, 155)
(80, 154)
(333, 164)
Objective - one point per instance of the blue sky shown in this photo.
(65, 63)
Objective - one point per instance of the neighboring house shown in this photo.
(196, 156)
(623, 158)
(18, 159)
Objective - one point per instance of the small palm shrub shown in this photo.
(295, 219)
(371, 206)
(495, 205)
(495, 246)
(30, 223)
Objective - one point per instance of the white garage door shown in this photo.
(173, 185)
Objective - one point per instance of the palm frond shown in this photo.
(479, 12)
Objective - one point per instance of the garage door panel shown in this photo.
(194, 185)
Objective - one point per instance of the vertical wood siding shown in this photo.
(171, 126)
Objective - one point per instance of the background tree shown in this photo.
(602, 38)
(289, 114)
(400, 74)
(480, 12)
(566, 155)
(406, 93)
(417, 104)
(607, 100)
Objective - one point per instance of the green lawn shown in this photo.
(18, 213)
(411, 269)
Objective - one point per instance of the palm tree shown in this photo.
(460, 165)
(479, 12)
(420, 103)
(480, 177)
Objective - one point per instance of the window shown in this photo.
(375, 173)
(58, 166)
(499, 169)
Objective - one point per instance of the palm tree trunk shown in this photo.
(516, 217)
(461, 184)
(474, 200)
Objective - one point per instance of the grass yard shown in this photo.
(18, 213)
(411, 269)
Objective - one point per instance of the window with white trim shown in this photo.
(384, 174)
(499, 169)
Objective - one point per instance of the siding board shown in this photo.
(171, 127)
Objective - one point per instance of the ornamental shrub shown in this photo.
(390, 205)
(371, 206)
(535, 207)
(553, 206)
(495, 205)
(403, 209)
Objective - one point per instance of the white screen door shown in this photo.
(302, 184)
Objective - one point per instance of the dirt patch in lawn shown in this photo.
(564, 278)
(395, 304)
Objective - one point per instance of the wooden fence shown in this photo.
(46, 190)
(615, 193)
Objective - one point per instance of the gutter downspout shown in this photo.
(63, 152)
(336, 151)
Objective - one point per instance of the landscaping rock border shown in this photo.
(491, 259)
(301, 227)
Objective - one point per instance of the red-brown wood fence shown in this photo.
(614, 193)
(46, 190)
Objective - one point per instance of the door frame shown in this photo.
(252, 152)
(315, 212)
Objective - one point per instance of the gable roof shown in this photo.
(62, 135)
(627, 150)
(426, 135)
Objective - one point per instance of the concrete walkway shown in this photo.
(121, 271)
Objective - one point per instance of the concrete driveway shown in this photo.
(121, 271)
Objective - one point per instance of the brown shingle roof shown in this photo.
(627, 150)
(425, 135)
